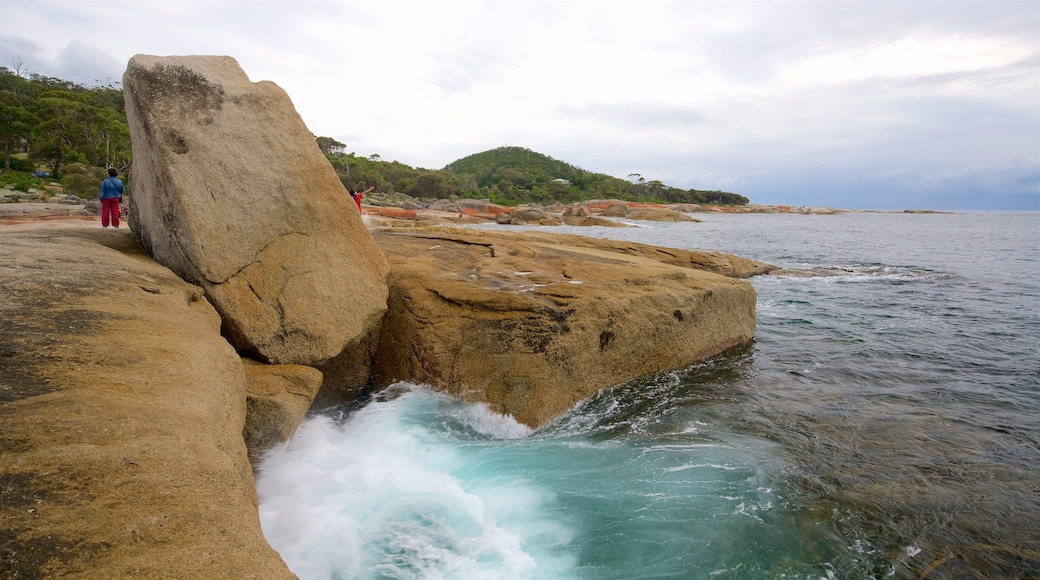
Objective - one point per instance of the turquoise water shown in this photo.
(883, 423)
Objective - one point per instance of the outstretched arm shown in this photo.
(368, 190)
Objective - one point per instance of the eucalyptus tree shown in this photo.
(60, 115)
(15, 124)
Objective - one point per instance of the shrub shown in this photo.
(18, 164)
(20, 180)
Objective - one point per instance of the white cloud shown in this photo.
(756, 97)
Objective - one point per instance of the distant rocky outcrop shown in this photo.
(397, 208)
(659, 215)
(121, 418)
(533, 323)
(232, 193)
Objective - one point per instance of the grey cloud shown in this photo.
(88, 65)
(781, 32)
(461, 71)
(14, 48)
(78, 62)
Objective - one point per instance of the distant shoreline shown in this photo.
(409, 210)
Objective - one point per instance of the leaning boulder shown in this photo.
(531, 324)
(232, 193)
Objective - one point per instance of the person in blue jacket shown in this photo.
(111, 196)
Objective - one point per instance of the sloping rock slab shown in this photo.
(231, 192)
(121, 416)
(708, 261)
(532, 324)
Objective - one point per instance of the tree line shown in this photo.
(508, 176)
(72, 131)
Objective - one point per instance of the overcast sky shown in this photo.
(872, 105)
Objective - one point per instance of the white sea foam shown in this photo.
(480, 418)
(381, 495)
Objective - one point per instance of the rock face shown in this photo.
(232, 193)
(715, 262)
(532, 324)
(122, 411)
(277, 398)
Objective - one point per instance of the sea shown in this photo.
(883, 423)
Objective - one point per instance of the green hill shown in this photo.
(506, 175)
(517, 175)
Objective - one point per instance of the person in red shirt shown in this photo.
(357, 195)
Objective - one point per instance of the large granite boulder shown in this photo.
(533, 323)
(231, 192)
(121, 417)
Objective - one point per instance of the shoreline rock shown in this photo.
(532, 323)
(122, 410)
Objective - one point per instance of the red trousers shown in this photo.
(110, 211)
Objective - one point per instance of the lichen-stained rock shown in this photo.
(532, 324)
(277, 398)
(121, 416)
(231, 192)
(658, 215)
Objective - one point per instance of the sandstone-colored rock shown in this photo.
(479, 208)
(121, 416)
(708, 261)
(350, 370)
(587, 220)
(532, 215)
(277, 398)
(532, 324)
(232, 193)
(575, 210)
(659, 215)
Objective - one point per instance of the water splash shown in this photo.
(388, 493)
(417, 485)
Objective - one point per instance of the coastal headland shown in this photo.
(146, 369)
